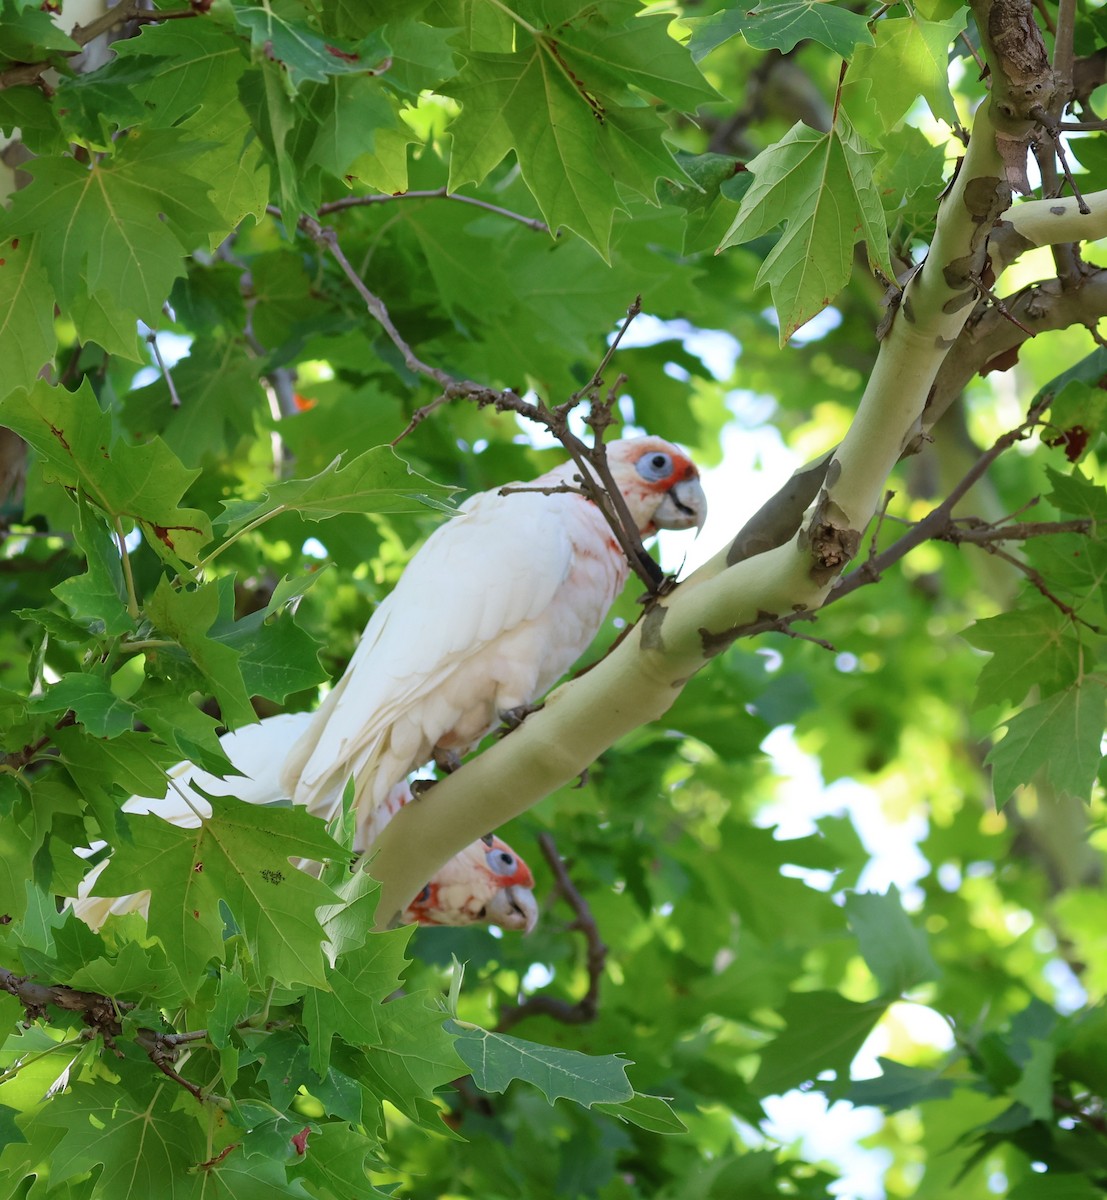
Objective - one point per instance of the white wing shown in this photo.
(256, 750)
(493, 567)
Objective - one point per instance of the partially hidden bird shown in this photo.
(497, 604)
(487, 882)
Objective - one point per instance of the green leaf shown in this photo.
(136, 969)
(131, 1129)
(186, 615)
(822, 184)
(901, 1086)
(1078, 415)
(823, 1032)
(357, 986)
(98, 596)
(302, 52)
(27, 338)
(238, 857)
(1035, 1084)
(142, 483)
(1078, 495)
(414, 1056)
(376, 481)
(576, 131)
(647, 1112)
(1031, 647)
(1072, 718)
(620, 45)
(496, 1060)
(93, 703)
(119, 228)
(781, 26)
(910, 58)
(337, 1160)
(894, 949)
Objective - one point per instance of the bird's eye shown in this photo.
(424, 895)
(653, 467)
(500, 861)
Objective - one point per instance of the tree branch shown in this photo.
(581, 1011)
(103, 1015)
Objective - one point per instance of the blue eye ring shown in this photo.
(655, 466)
(500, 862)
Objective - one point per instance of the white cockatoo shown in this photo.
(486, 882)
(495, 607)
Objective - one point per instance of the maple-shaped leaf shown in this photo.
(93, 702)
(823, 1031)
(564, 101)
(496, 1059)
(185, 615)
(357, 986)
(119, 227)
(27, 339)
(238, 857)
(894, 949)
(131, 1127)
(1071, 718)
(821, 186)
(413, 1057)
(81, 450)
(781, 26)
(1031, 647)
(301, 50)
(376, 481)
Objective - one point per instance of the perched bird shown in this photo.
(497, 604)
(486, 882)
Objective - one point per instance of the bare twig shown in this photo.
(1033, 576)
(585, 1009)
(998, 304)
(940, 517)
(432, 194)
(174, 397)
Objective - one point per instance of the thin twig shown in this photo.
(432, 194)
(1033, 576)
(938, 518)
(998, 303)
(979, 534)
(586, 1008)
(174, 397)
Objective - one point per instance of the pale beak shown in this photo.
(684, 506)
(513, 908)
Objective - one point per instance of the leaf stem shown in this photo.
(18, 1066)
(514, 16)
(128, 575)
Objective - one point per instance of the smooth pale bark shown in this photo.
(642, 677)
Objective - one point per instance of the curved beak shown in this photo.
(684, 506)
(513, 908)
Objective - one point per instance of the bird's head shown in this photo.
(487, 882)
(659, 482)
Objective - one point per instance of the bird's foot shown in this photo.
(420, 787)
(514, 717)
(447, 761)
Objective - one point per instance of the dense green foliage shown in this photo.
(162, 575)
